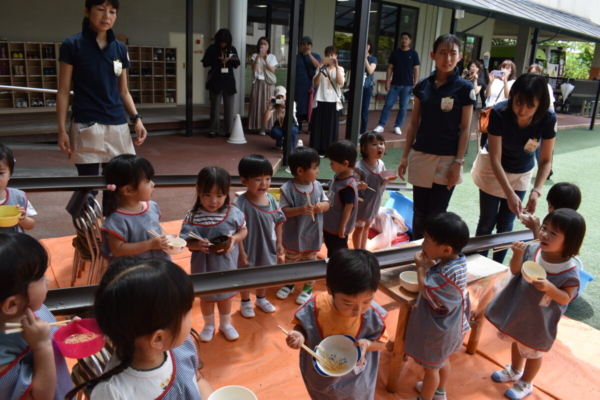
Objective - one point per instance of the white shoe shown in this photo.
(229, 332)
(519, 390)
(397, 131)
(379, 129)
(207, 333)
(262, 132)
(419, 387)
(300, 143)
(265, 305)
(247, 310)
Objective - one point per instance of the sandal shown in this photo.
(207, 333)
(284, 292)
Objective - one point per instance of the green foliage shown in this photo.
(343, 41)
(503, 42)
(579, 57)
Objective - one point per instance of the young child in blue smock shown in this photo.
(527, 314)
(30, 366)
(438, 322)
(346, 308)
(265, 221)
(14, 197)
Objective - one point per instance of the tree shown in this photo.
(579, 57)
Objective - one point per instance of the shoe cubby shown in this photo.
(152, 77)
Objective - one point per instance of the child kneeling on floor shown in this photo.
(438, 322)
(347, 308)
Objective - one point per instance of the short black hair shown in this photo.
(351, 272)
(331, 50)
(526, 89)
(447, 229)
(254, 165)
(6, 154)
(405, 34)
(366, 138)
(303, 157)
(572, 225)
(223, 36)
(447, 39)
(91, 3)
(564, 195)
(342, 150)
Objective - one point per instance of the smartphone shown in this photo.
(233, 56)
(498, 73)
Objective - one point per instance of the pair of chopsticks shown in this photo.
(308, 200)
(18, 327)
(510, 245)
(194, 236)
(153, 233)
(326, 363)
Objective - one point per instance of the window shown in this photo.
(471, 48)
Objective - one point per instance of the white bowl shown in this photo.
(233, 393)
(389, 172)
(531, 271)
(176, 245)
(340, 349)
(409, 281)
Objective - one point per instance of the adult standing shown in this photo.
(537, 69)
(307, 63)
(504, 168)
(402, 75)
(483, 81)
(222, 59)
(96, 63)
(499, 88)
(471, 73)
(325, 121)
(438, 133)
(262, 91)
(369, 82)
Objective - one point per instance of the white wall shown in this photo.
(485, 30)
(589, 9)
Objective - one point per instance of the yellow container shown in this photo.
(275, 193)
(9, 216)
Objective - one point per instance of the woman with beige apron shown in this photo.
(504, 167)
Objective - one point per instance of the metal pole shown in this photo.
(595, 107)
(453, 23)
(189, 68)
(357, 66)
(291, 80)
(534, 44)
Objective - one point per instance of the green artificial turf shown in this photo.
(575, 160)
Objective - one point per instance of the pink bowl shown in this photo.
(84, 349)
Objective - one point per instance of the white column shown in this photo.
(238, 14)
(523, 49)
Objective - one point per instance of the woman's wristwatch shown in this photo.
(538, 191)
(461, 161)
(134, 117)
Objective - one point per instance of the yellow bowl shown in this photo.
(275, 193)
(9, 216)
(408, 280)
(531, 271)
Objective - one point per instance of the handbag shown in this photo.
(484, 117)
(270, 77)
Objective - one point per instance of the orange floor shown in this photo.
(261, 361)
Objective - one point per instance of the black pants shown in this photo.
(334, 243)
(428, 202)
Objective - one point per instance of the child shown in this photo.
(14, 197)
(561, 195)
(154, 355)
(347, 308)
(438, 323)
(29, 366)
(368, 170)
(264, 217)
(211, 216)
(338, 223)
(130, 214)
(303, 230)
(527, 314)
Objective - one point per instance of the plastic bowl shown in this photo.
(409, 281)
(531, 271)
(84, 349)
(176, 245)
(233, 393)
(340, 348)
(9, 216)
(220, 244)
(275, 192)
(389, 172)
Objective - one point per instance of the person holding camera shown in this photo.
(471, 73)
(262, 88)
(325, 121)
(222, 58)
(276, 109)
(500, 83)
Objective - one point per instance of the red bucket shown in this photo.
(82, 349)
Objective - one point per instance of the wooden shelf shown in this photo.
(149, 84)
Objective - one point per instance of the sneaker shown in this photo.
(262, 132)
(379, 129)
(300, 143)
(303, 297)
(265, 305)
(519, 390)
(284, 292)
(506, 375)
(419, 387)
(207, 333)
(229, 332)
(246, 309)
(397, 131)
(288, 170)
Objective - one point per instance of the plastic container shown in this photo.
(9, 216)
(176, 245)
(233, 393)
(220, 244)
(275, 192)
(409, 281)
(532, 271)
(84, 349)
(341, 349)
(403, 205)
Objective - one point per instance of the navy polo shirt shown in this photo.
(439, 130)
(95, 84)
(503, 122)
(403, 62)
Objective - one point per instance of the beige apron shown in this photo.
(426, 169)
(98, 143)
(484, 178)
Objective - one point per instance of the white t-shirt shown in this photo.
(329, 92)
(304, 189)
(551, 92)
(134, 384)
(283, 113)
(259, 74)
(497, 92)
(554, 268)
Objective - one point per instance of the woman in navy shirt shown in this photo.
(438, 133)
(369, 82)
(97, 65)
(504, 168)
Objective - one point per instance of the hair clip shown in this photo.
(112, 188)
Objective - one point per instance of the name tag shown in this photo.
(224, 70)
(531, 145)
(545, 302)
(447, 104)
(118, 66)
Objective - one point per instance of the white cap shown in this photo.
(280, 91)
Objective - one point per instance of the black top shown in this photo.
(95, 81)
(403, 62)
(217, 81)
(503, 122)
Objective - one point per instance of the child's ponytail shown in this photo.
(208, 178)
(124, 170)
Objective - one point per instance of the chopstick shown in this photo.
(153, 233)
(194, 236)
(18, 326)
(370, 188)
(323, 361)
(510, 245)
(308, 200)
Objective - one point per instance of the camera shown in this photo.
(323, 69)
(277, 101)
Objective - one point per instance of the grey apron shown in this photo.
(333, 217)
(369, 207)
(300, 233)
